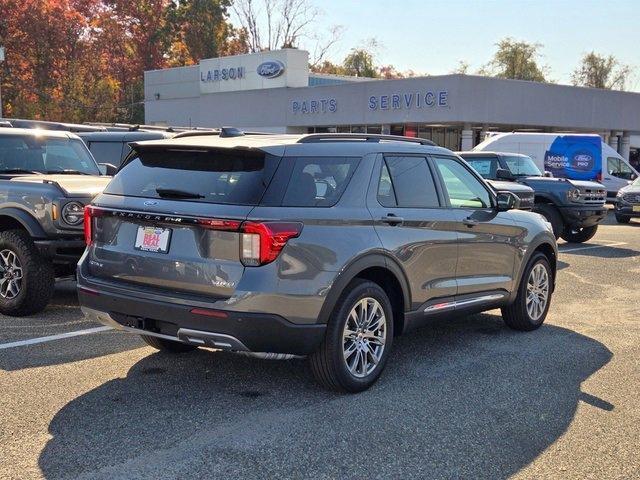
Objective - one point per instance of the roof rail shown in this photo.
(367, 137)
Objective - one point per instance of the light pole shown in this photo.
(1, 60)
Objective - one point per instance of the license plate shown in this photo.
(153, 239)
(636, 208)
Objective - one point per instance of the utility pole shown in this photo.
(1, 60)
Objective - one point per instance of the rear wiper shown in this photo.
(172, 193)
(19, 170)
(66, 171)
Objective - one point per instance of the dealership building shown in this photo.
(275, 91)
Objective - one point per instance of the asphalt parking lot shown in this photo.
(465, 398)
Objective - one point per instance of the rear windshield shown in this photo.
(211, 176)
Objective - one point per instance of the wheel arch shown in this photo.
(549, 250)
(379, 268)
(14, 218)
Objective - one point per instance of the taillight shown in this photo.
(599, 176)
(262, 242)
(90, 212)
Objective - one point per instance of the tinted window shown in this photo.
(318, 181)
(231, 177)
(45, 155)
(485, 166)
(106, 152)
(463, 189)
(411, 181)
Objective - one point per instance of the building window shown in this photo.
(374, 129)
(396, 130)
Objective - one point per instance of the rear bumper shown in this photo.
(61, 251)
(228, 330)
(583, 216)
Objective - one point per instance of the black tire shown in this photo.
(516, 315)
(168, 346)
(622, 219)
(579, 235)
(36, 285)
(327, 363)
(552, 215)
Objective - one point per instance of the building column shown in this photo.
(466, 140)
(386, 129)
(625, 146)
(613, 140)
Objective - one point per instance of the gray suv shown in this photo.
(326, 245)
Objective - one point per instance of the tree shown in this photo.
(517, 60)
(275, 24)
(462, 68)
(359, 63)
(599, 71)
(201, 30)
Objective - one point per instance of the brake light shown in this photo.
(219, 224)
(262, 242)
(90, 212)
(599, 176)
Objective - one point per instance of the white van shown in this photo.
(573, 156)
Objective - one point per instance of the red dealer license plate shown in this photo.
(153, 239)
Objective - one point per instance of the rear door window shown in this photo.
(407, 182)
(210, 176)
(318, 181)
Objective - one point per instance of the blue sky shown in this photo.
(432, 36)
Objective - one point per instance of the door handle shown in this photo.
(470, 222)
(392, 219)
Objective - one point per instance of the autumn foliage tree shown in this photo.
(77, 60)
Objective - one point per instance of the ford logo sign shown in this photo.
(271, 69)
(150, 203)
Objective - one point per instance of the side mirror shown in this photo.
(107, 169)
(504, 174)
(507, 201)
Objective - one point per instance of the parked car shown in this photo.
(573, 207)
(46, 179)
(572, 156)
(627, 205)
(44, 125)
(112, 147)
(326, 245)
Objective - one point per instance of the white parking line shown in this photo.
(589, 247)
(51, 338)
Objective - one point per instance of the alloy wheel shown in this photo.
(364, 337)
(537, 291)
(10, 274)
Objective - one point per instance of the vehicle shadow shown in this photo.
(464, 398)
(62, 315)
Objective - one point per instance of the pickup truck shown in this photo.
(574, 208)
(46, 179)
